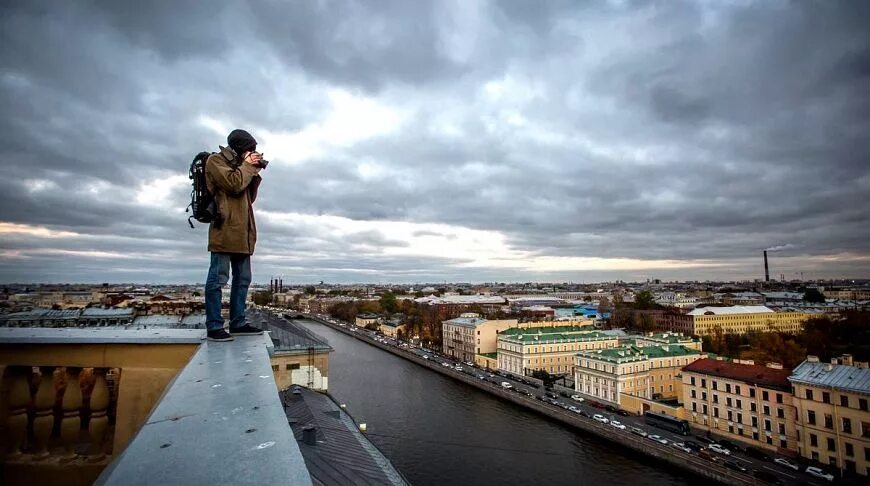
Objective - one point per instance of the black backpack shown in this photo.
(202, 204)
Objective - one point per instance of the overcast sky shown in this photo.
(455, 140)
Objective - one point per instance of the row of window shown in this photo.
(860, 404)
(845, 423)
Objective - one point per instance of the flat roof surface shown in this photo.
(98, 335)
(731, 310)
(291, 336)
(342, 455)
(830, 375)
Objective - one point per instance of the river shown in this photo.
(439, 431)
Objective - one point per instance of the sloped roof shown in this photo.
(342, 455)
(841, 377)
(754, 374)
(730, 310)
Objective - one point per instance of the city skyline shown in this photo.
(429, 142)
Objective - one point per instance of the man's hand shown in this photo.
(254, 159)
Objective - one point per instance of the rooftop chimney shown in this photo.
(309, 435)
(776, 366)
(812, 359)
(766, 271)
(847, 359)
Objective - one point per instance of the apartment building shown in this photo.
(742, 401)
(664, 338)
(832, 406)
(650, 372)
(737, 319)
(470, 334)
(552, 349)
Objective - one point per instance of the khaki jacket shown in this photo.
(234, 186)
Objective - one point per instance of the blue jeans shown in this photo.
(218, 275)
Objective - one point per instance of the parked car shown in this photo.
(446, 365)
(425, 356)
(735, 466)
(506, 385)
(657, 438)
(819, 473)
(638, 431)
(577, 398)
(600, 418)
(622, 412)
(469, 363)
(458, 368)
(610, 408)
(785, 462)
(719, 449)
(574, 409)
(617, 424)
(681, 446)
(551, 394)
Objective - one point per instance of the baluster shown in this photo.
(16, 382)
(71, 420)
(43, 405)
(99, 414)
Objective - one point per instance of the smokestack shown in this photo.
(766, 271)
(281, 285)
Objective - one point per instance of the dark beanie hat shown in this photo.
(241, 141)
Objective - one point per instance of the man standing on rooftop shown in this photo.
(233, 177)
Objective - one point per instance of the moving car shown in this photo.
(706, 455)
(693, 445)
(622, 412)
(819, 473)
(617, 424)
(577, 398)
(735, 466)
(469, 363)
(600, 418)
(638, 431)
(719, 449)
(446, 365)
(506, 385)
(574, 409)
(658, 438)
(681, 446)
(785, 462)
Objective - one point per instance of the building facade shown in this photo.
(551, 349)
(733, 320)
(742, 401)
(470, 334)
(832, 406)
(651, 372)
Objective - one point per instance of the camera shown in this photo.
(263, 163)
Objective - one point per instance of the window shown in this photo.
(847, 425)
(779, 398)
(730, 416)
(766, 410)
(781, 429)
(274, 367)
(694, 407)
(704, 410)
(809, 394)
(754, 421)
(740, 418)
(715, 398)
(767, 425)
(752, 406)
(703, 383)
(692, 381)
(752, 393)
(814, 441)
(693, 393)
(850, 450)
(764, 396)
(739, 403)
(703, 395)
(780, 413)
(832, 444)
(829, 421)
(737, 389)
(862, 404)
(811, 417)
(826, 397)
(865, 429)
(727, 387)
(844, 400)
(292, 366)
(716, 412)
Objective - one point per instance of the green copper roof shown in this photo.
(550, 335)
(625, 354)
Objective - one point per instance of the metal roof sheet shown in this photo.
(830, 375)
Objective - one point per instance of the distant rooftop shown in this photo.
(555, 334)
(339, 454)
(762, 375)
(289, 336)
(731, 310)
(624, 354)
(467, 321)
(828, 375)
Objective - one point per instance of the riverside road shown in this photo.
(437, 430)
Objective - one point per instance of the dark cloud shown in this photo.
(644, 130)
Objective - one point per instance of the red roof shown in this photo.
(754, 374)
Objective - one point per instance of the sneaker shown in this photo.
(245, 330)
(219, 335)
